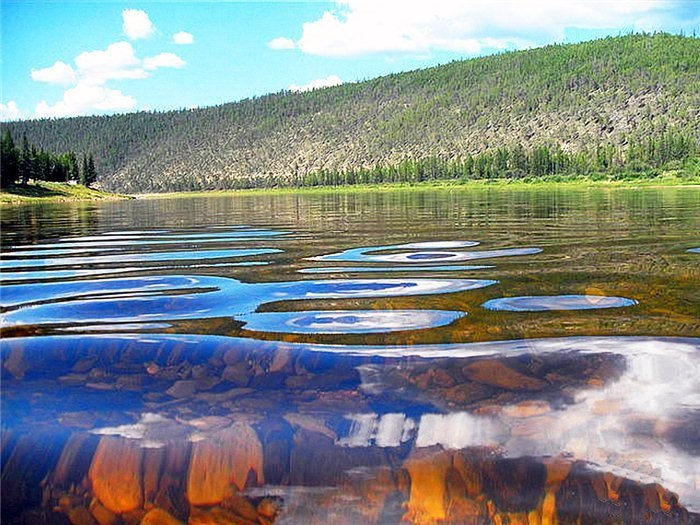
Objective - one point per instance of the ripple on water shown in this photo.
(427, 252)
(121, 327)
(170, 297)
(542, 303)
(372, 269)
(139, 239)
(28, 252)
(348, 321)
(146, 237)
(77, 247)
(41, 275)
(47, 275)
(193, 255)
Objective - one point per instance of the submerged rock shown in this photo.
(495, 373)
(228, 457)
(80, 516)
(182, 389)
(159, 517)
(115, 474)
(102, 515)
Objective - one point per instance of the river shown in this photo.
(486, 356)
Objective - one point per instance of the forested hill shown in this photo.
(626, 97)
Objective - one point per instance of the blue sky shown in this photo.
(82, 57)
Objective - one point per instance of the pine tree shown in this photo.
(91, 174)
(9, 160)
(26, 161)
(84, 170)
(73, 170)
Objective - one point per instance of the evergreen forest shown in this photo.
(29, 164)
(615, 106)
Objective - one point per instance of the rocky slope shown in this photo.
(620, 91)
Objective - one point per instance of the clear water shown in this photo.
(402, 357)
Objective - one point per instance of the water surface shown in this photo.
(339, 358)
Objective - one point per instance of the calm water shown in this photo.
(422, 357)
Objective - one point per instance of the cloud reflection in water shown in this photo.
(629, 414)
(543, 303)
(170, 297)
(426, 252)
(347, 321)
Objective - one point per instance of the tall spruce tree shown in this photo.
(84, 170)
(9, 160)
(91, 175)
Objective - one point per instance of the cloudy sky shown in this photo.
(80, 57)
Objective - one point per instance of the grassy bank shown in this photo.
(668, 179)
(53, 192)
(59, 192)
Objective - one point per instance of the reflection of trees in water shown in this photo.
(27, 224)
(571, 211)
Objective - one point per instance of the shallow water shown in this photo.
(339, 358)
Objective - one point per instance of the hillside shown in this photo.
(53, 192)
(619, 92)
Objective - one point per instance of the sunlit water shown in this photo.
(421, 357)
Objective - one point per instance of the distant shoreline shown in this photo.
(666, 180)
(47, 192)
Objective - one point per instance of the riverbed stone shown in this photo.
(16, 364)
(527, 409)
(182, 389)
(81, 516)
(102, 515)
(115, 474)
(160, 517)
(217, 516)
(498, 374)
(236, 374)
(222, 463)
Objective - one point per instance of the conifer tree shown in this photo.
(91, 174)
(84, 170)
(9, 158)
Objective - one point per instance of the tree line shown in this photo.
(27, 163)
(619, 91)
(671, 150)
(668, 151)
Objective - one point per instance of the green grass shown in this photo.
(672, 178)
(60, 192)
(53, 192)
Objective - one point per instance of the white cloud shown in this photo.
(117, 62)
(163, 60)
(281, 43)
(86, 99)
(137, 25)
(59, 73)
(332, 80)
(10, 111)
(89, 93)
(183, 38)
(358, 27)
